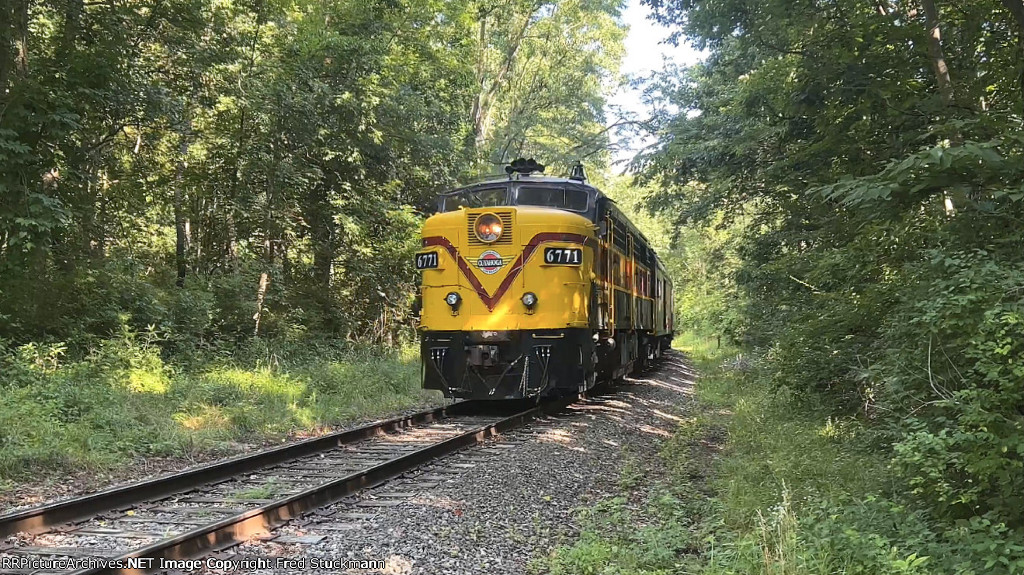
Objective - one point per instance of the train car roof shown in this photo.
(529, 179)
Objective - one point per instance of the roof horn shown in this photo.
(524, 167)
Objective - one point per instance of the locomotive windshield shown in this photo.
(543, 196)
(561, 198)
(476, 199)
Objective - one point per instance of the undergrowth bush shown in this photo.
(954, 366)
(124, 400)
(797, 491)
(800, 491)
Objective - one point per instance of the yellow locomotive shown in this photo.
(536, 286)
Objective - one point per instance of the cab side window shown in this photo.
(630, 271)
(619, 236)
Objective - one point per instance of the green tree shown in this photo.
(839, 136)
(543, 70)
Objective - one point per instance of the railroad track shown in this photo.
(141, 527)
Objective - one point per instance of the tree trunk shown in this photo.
(180, 233)
(261, 295)
(268, 243)
(196, 235)
(942, 79)
(99, 231)
(1016, 8)
(6, 41)
(21, 36)
(72, 23)
(484, 102)
(13, 40)
(478, 102)
(231, 241)
(286, 260)
(268, 264)
(322, 233)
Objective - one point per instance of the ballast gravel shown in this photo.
(501, 507)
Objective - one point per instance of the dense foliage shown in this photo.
(182, 183)
(123, 401)
(196, 194)
(217, 170)
(857, 165)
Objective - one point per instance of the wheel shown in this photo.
(588, 382)
(642, 359)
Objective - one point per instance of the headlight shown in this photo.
(529, 299)
(488, 228)
(453, 299)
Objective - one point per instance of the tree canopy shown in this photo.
(224, 169)
(865, 160)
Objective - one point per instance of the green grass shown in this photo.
(266, 491)
(797, 491)
(793, 492)
(124, 401)
(703, 350)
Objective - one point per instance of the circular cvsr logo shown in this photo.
(490, 262)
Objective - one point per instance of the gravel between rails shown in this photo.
(494, 509)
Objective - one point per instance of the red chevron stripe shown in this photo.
(492, 300)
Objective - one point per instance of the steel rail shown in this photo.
(45, 517)
(240, 527)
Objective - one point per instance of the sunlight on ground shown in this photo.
(396, 565)
(562, 437)
(259, 380)
(209, 417)
(148, 381)
(669, 416)
(654, 430)
(684, 387)
(600, 408)
(438, 501)
(417, 438)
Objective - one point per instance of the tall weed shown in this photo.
(124, 400)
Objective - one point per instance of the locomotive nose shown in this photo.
(533, 286)
(490, 247)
